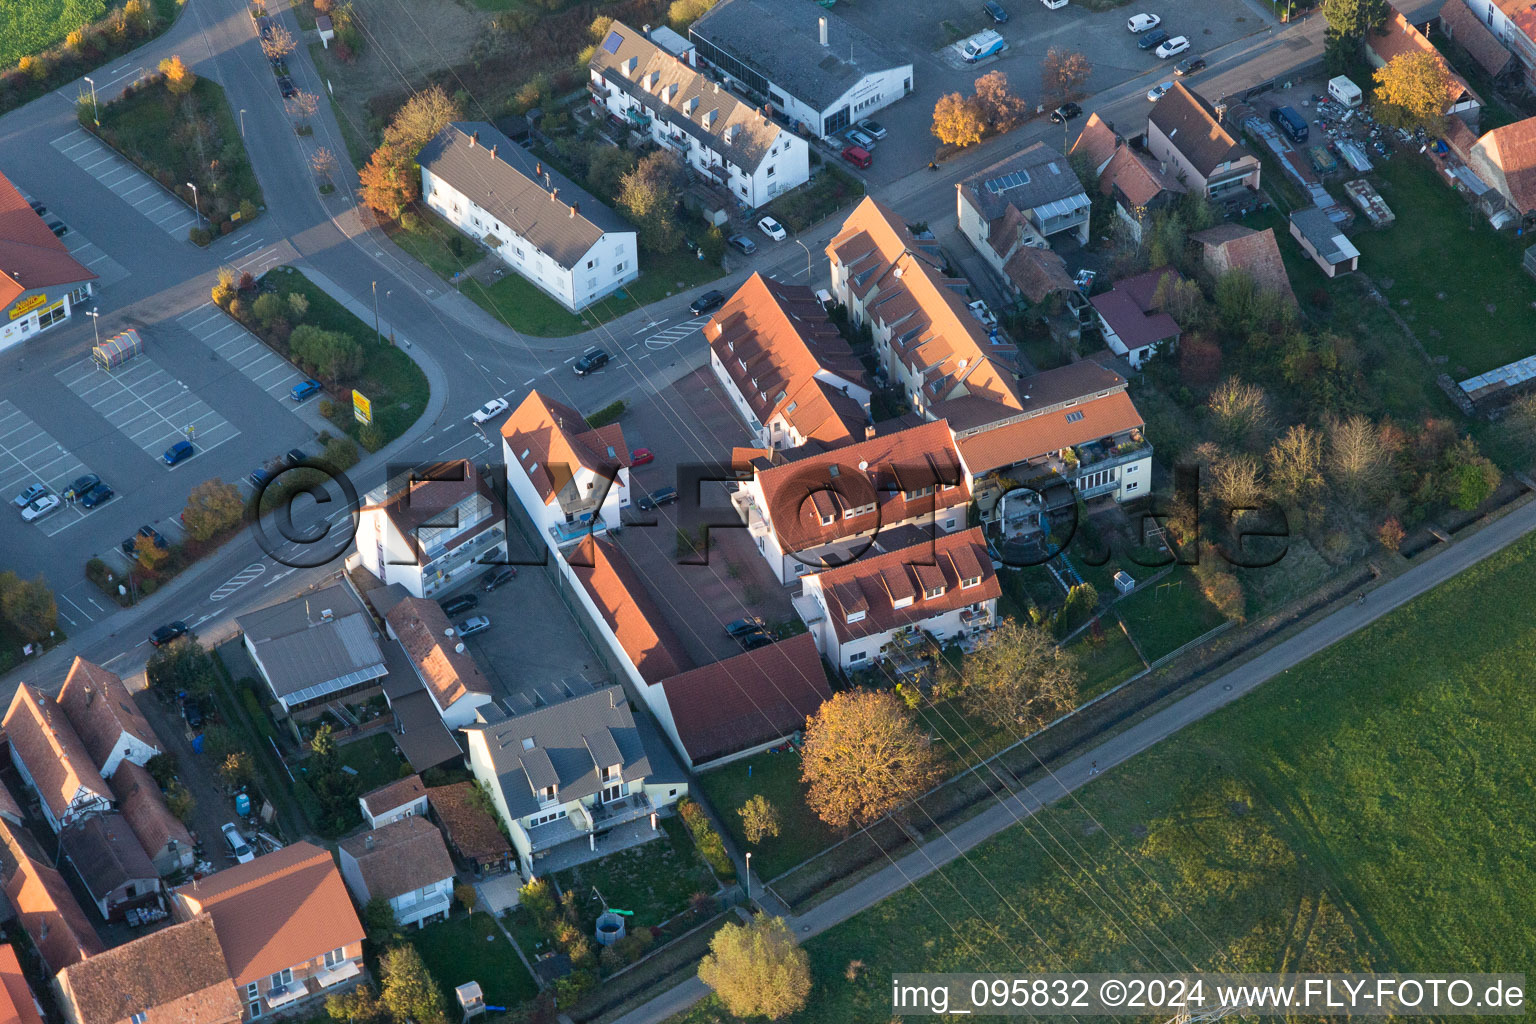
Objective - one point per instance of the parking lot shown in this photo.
(130, 184)
(266, 369)
(30, 455)
(150, 407)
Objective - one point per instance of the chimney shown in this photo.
(538, 169)
(575, 208)
(474, 136)
(822, 22)
(554, 195)
(90, 695)
(869, 431)
(646, 29)
(493, 151)
(368, 841)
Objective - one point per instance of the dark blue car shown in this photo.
(178, 452)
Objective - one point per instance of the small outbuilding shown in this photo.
(1124, 584)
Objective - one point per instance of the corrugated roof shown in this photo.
(400, 857)
(304, 654)
(101, 709)
(176, 974)
(30, 255)
(873, 585)
(560, 219)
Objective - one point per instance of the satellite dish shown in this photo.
(863, 464)
(459, 648)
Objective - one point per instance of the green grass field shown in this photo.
(374, 759)
(777, 778)
(473, 949)
(1106, 660)
(655, 880)
(34, 25)
(1168, 614)
(1370, 809)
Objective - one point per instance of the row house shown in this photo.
(45, 907)
(1137, 185)
(105, 718)
(51, 758)
(114, 869)
(430, 525)
(1023, 199)
(440, 660)
(572, 479)
(727, 140)
(165, 840)
(884, 607)
(786, 368)
(18, 1004)
(175, 974)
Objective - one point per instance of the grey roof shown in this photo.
(559, 748)
(1035, 176)
(603, 747)
(1324, 235)
(106, 853)
(306, 655)
(780, 40)
(419, 730)
(633, 64)
(507, 182)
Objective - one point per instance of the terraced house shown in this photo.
(727, 140)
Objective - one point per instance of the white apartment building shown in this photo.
(429, 526)
(572, 479)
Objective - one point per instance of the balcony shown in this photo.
(567, 534)
(617, 812)
(437, 903)
(1097, 455)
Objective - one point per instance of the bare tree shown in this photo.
(1296, 464)
(323, 163)
(277, 43)
(1063, 73)
(1240, 410)
(301, 106)
(1359, 459)
(1019, 679)
(1237, 482)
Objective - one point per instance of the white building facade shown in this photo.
(426, 532)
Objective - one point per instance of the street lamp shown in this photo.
(376, 336)
(95, 114)
(807, 259)
(242, 122)
(94, 317)
(749, 877)
(195, 207)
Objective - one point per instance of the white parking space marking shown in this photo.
(107, 269)
(672, 335)
(170, 214)
(148, 406)
(273, 374)
(30, 455)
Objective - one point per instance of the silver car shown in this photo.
(861, 139)
(474, 624)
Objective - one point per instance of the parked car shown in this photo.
(82, 485)
(28, 496)
(131, 545)
(858, 138)
(37, 207)
(1290, 122)
(474, 624)
(237, 844)
(858, 156)
(773, 229)
(1172, 48)
(462, 603)
(295, 456)
(286, 86)
(641, 456)
(96, 495)
(168, 632)
(1157, 91)
(495, 407)
(40, 507)
(591, 360)
(1188, 66)
(59, 228)
(706, 303)
(264, 26)
(996, 10)
(178, 452)
(1149, 40)
(752, 641)
(870, 127)
(192, 711)
(260, 476)
(305, 390)
(657, 498)
(497, 577)
(1143, 22)
(741, 627)
(1065, 113)
(743, 243)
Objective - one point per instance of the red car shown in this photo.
(640, 456)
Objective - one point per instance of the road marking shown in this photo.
(573, 359)
(530, 380)
(238, 580)
(279, 576)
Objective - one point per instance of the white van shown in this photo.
(1344, 91)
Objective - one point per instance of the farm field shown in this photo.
(34, 25)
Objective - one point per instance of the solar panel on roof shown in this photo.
(1007, 181)
(613, 42)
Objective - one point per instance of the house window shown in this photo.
(1073, 417)
(671, 792)
(827, 520)
(970, 581)
(618, 268)
(949, 524)
(611, 793)
(859, 656)
(282, 978)
(1131, 487)
(250, 990)
(254, 1009)
(935, 592)
(591, 264)
(544, 819)
(855, 616)
(335, 957)
(770, 172)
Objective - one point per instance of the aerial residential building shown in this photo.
(397, 800)
(1512, 23)
(531, 217)
(106, 718)
(472, 832)
(1132, 318)
(729, 141)
(314, 647)
(572, 479)
(1228, 248)
(1324, 241)
(1187, 139)
(927, 341)
(1398, 37)
(1461, 23)
(890, 604)
(41, 284)
(18, 1005)
(636, 639)
(51, 758)
(111, 864)
(430, 525)
(175, 974)
(404, 862)
(808, 63)
(1506, 159)
(285, 924)
(10, 810)
(823, 510)
(161, 834)
(440, 660)
(45, 908)
(786, 368)
(575, 780)
(729, 709)
(1021, 200)
(1136, 184)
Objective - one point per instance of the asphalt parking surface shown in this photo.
(127, 182)
(150, 407)
(28, 455)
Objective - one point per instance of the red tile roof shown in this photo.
(1132, 311)
(47, 744)
(747, 700)
(176, 974)
(1467, 29)
(1190, 124)
(1234, 247)
(397, 794)
(50, 914)
(101, 709)
(872, 585)
(1135, 178)
(1096, 143)
(551, 441)
(1050, 432)
(1403, 38)
(276, 911)
(1508, 155)
(422, 628)
(872, 475)
(17, 1004)
(470, 827)
(30, 255)
(1037, 273)
(621, 596)
(775, 342)
(141, 802)
(400, 857)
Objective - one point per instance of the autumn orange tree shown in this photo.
(864, 757)
(957, 120)
(179, 78)
(388, 186)
(1000, 108)
(1413, 91)
(1063, 73)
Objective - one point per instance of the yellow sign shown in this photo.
(26, 306)
(362, 408)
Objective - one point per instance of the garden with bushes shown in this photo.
(179, 129)
(49, 43)
(28, 615)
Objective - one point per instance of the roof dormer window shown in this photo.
(969, 582)
(902, 602)
(933, 592)
(828, 519)
(857, 616)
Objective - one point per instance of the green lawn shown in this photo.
(374, 759)
(34, 25)
(655, 880)
(195, 140)
(1368, 810)
(1456, 281)
(1168, 614)
(390, 379)
(1106, 660)
(777, 778)
(472, 948)
(525, 309)
(433, 241)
